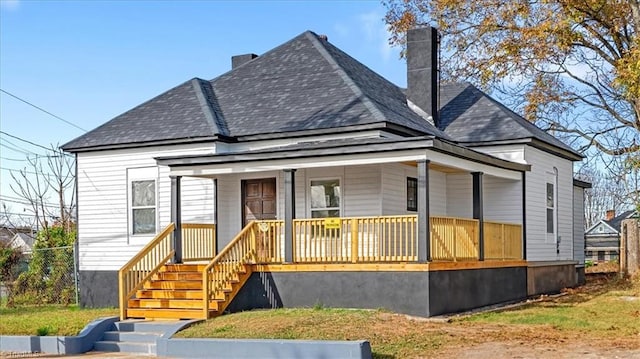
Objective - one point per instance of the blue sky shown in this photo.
(88, 61)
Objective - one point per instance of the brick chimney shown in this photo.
(422, 70)
(610, 214)
(241, 59)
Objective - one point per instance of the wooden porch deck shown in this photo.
(151, 287)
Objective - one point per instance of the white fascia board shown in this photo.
(345, 160)
(299, 163)
(471, 166)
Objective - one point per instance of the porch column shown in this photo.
(216, 250)
(524, 215)
(424, 233)
(289, 212)
(478, 211)
(176, 218)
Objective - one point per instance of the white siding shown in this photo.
(539, 247)
(103, 228)
(459, 195)
(437, 193)
(394, 188)
(197, 200)
(578, 224)
(502, 200)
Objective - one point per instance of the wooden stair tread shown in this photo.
(166, 313)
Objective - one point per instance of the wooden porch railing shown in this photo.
(454, 239)
(356, 239)
(198, 241)
(269, 241)
(218, 273)
(502, 241)
(143, 265)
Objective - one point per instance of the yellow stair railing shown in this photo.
(217, 275)
(143, 265)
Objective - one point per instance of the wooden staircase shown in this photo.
(175, 292)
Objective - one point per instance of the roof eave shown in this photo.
(534, 142)
(118, 146)
(390, 127)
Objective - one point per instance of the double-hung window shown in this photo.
(143, 200)
(143, 207)
(325, 198)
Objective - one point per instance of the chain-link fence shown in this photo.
(44, 276)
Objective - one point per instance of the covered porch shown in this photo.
(388, 206)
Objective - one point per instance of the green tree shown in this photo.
(50, 277)
(571, 66)
(10, 259)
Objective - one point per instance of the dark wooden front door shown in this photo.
(259, 199)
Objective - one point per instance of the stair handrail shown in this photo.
(241, 250)
(143, 265)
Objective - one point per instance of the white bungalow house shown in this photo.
(301, 177)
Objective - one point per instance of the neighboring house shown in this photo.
(603, 238)
(312, 179)
(23, 241)
(21, 237)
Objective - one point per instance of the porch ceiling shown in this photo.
(444, 156)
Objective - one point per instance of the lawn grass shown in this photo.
(49, 320)
(605, 308)
(610, 308)
(390, 335)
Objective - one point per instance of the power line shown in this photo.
(27, 141)
(43, 110)
(11, 159)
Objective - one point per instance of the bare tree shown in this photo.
(45, 177)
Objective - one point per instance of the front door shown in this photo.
(259, 199)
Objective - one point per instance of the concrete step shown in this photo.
(134, 337)
(125, 347)
(145, 326)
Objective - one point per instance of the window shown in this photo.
(143, 207)
(412, 194)
(550, 208)
(325, 198)
(601, 256)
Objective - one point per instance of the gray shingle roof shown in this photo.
(616, 221)
(470, 116)
(176, 114)
(304, 84)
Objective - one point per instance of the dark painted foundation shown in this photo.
(98, 289)
(460, 290)
(415, 293)
(580, 275)
(550, 277)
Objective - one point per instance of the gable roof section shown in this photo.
(187, 111)
(470, 116)
(615, 222)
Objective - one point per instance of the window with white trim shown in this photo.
(143, 207)
(550, 208)
(325, 198)
(142, 200)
